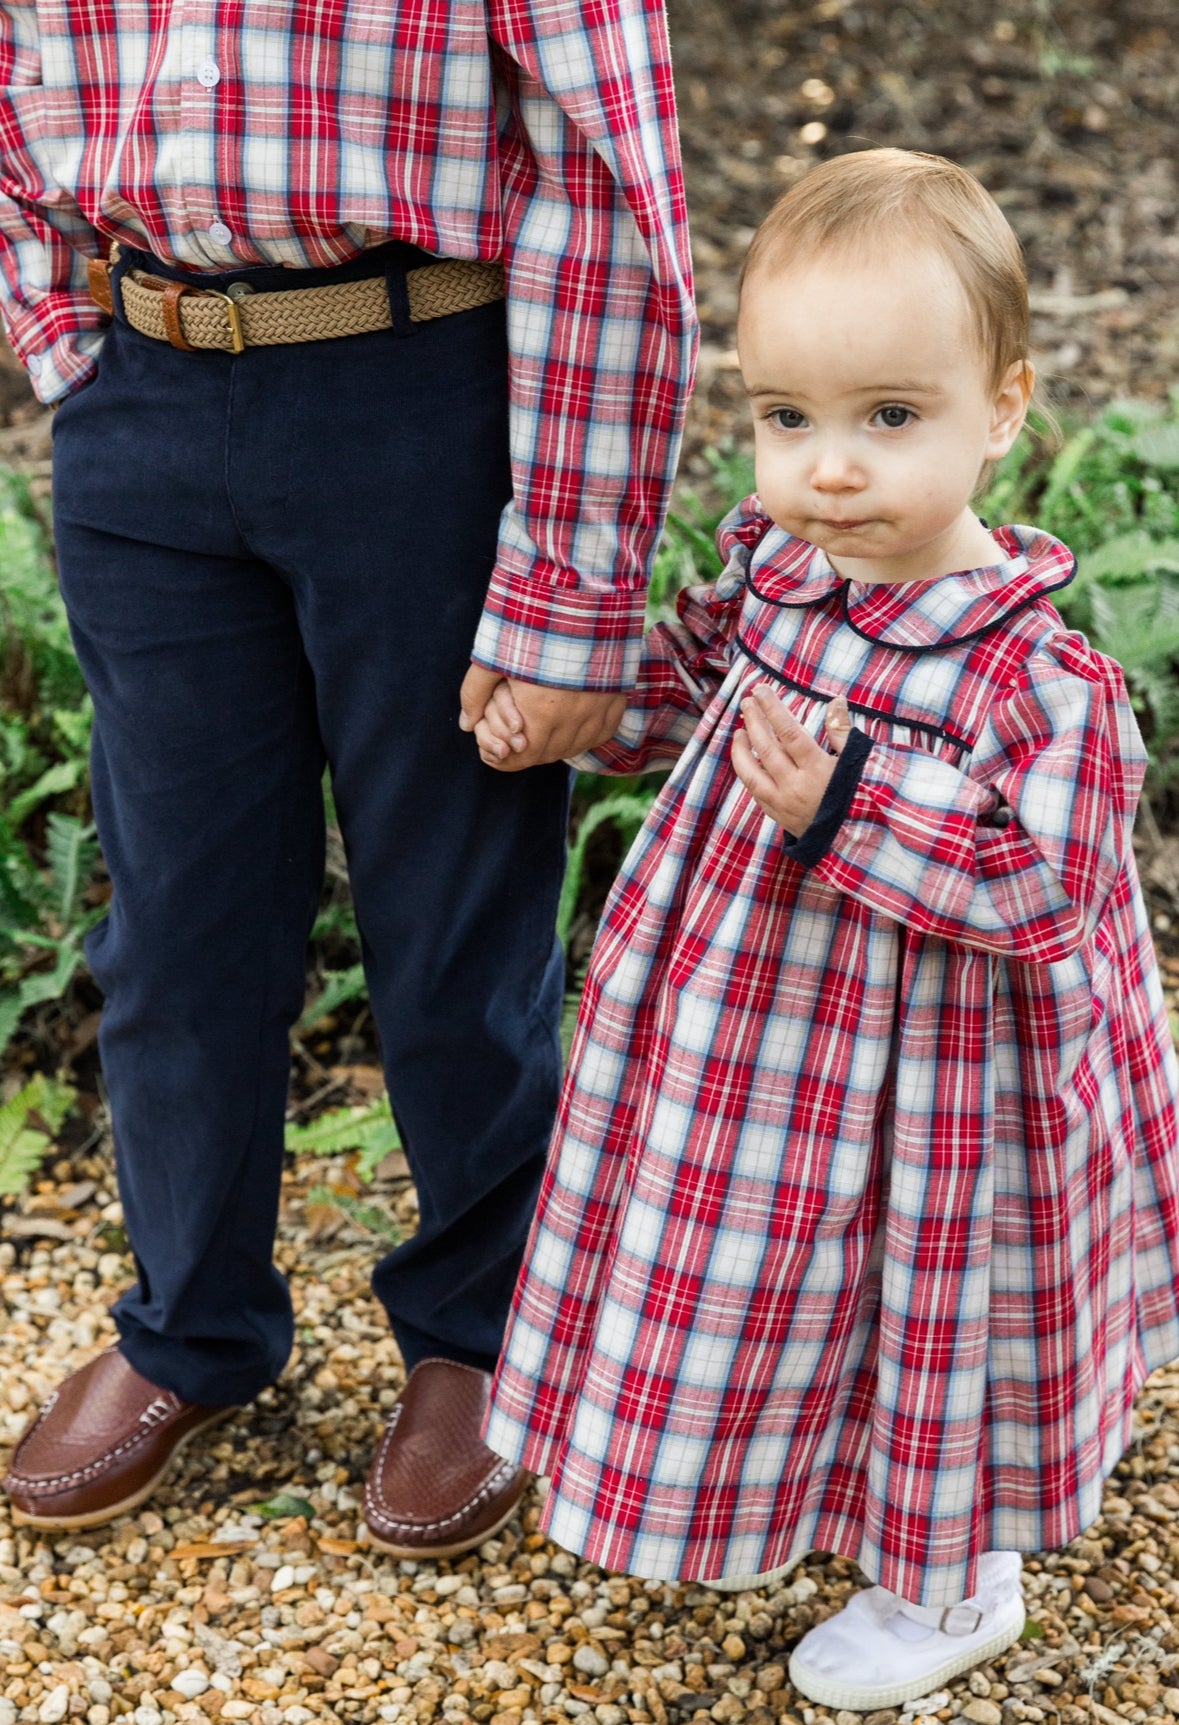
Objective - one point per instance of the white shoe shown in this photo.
(880, 1650)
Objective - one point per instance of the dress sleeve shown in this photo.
(54, 326)
(601, 334)
(684, 663)
(1018, 853)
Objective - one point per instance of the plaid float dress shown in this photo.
(860, 1229)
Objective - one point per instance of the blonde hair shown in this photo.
(876, 198)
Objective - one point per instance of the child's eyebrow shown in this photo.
(909, 387)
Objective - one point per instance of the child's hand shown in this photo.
(500, 732)
(781, 766)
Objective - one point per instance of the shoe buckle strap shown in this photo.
(964, 1618)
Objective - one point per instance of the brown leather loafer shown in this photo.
(435, 1489)
(101, 1444)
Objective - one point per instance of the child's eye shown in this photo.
(787, 419)
(894, 417)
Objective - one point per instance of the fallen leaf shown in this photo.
(285, 1504)
(338, 1547)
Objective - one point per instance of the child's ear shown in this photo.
(1010, 407)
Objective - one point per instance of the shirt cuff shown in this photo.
(65, 366)
(812, 846)
(538, 629)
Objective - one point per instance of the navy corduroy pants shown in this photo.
(274, 561)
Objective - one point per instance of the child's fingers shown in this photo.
(749, 769)
(502, 718)
(492, 748)
(755, 775)
(774, 729)
(838, 723)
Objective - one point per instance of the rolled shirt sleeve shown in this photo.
(601, 333)
(53, 325)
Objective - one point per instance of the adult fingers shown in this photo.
(478, 686)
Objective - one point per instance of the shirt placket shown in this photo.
(207, 240)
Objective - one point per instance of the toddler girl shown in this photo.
(860, 1228)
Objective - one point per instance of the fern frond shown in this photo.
(339, 987)
(370, 1129)
(72, 850)
(29, 1121)
(368, 1216)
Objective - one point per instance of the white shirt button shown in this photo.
(219, 233)
(209, 73)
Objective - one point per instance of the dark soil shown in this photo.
(1066, 111)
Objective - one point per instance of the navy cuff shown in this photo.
(812, 846)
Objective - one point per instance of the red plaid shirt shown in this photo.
(215, 133)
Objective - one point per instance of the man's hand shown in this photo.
(519, 724)
(780, 764)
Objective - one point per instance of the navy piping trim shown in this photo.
(843, 588)
(797, 604)
(955, 640)
(889, 718)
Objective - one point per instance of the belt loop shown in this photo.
(119, 265)
(397, 287)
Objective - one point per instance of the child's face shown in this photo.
(873, 412)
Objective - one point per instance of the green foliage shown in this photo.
(29, 1122)
(1111, 492)
(285, 1506)
(370, 1130)
(48, 854)
(625, 810)
(367, 1216)
(339, 988)
(687, 552)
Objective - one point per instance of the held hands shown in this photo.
(780, 764)
(518, 725)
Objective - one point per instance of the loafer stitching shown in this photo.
(48, 1484)
(500, 1474)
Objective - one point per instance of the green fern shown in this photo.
(339, 987)
(369, 1129)
(627, 810)
(368, 1216)
(29, 1122)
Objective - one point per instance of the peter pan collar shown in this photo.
(918, 615)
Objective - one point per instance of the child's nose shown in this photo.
(834, 470)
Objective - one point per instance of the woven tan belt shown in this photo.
(191, 317)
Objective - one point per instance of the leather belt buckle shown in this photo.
(235, 317)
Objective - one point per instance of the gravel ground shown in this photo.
(200, 1607)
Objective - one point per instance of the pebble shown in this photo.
(591, 1660)
(55, 1705)
(983, 1712)
(190, 1683)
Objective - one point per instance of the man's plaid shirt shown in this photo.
(217, 133)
